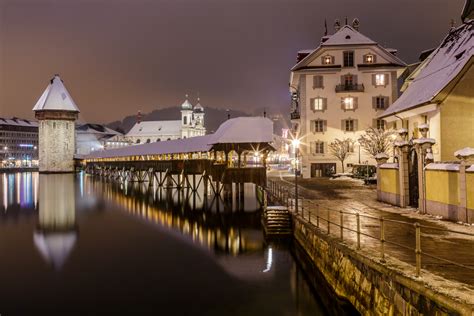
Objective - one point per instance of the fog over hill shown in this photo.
(213, 118)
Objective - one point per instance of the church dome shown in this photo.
(186, 104)
(198, 108)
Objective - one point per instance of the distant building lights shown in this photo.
(26, 145)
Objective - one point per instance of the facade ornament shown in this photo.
(356, 24)
(337, 25)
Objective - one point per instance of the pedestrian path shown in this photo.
(443, 251)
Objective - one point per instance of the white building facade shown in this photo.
(338, 89)
(190, 125)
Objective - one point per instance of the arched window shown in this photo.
(169, 139)
(185, 120)
(138, 141)
(148, 140)
(158, 140)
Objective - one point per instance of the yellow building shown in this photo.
(440, 93)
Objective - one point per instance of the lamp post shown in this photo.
(296, 146)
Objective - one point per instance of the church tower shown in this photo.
(56, 113)
(186, 118)
(200, 130)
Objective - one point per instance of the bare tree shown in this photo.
(376, 141)
(341, 149)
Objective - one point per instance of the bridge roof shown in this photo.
(240, 130)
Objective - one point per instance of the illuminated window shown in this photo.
(369, 59)
(348, 103)
(380, 80)
(318, 104)
(328, 60)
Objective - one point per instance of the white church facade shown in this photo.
(191, 124)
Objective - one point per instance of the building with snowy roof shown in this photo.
(18, 142)
(191, 124)
(440, 93)
(56, 113)
(91, 137)
(337, 91)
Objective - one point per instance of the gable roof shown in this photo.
(56, 98)
(347, 35)
(438, 70)
(152, 128)
(468, 11)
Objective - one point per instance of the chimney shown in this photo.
(139, 117)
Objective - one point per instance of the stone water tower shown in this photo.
(56, 113)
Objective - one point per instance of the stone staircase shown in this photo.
(276, 221)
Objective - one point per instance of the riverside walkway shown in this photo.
(444, 249)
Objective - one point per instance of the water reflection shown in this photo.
(18, 191)
(56, 234)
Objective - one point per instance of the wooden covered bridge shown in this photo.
(215, 161)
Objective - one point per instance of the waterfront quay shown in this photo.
(383, 259)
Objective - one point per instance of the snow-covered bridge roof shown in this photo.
(233, 131)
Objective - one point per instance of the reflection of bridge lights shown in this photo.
(269, 260)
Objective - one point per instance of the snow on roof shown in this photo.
(236, 130)
(95, 129)
(465, 152)
(56, 97)
(18, 122)
(186, 145)
(440, 68)
(442, 166)
(347, 36)
(153, 128)
(244, 130)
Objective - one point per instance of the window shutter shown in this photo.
(321, 81)
(343, 125)
(325, 147)
(325, 125)
(312, 149)
(356, 103)
(342, 104)
(311, 104)
(374, 103)
(312, 123)
(325, 104)
(387, 100)
(354, 78)
(315, 81)
(343, 80)
(374, 123)
(373, 80)
(356, 125)
(375, 59)
(386, 79)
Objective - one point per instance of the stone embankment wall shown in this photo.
(374, 288)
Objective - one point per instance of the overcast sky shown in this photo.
(119, 56)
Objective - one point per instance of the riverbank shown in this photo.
(444, 284)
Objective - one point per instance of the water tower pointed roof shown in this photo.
(56, 98)
(186, 104)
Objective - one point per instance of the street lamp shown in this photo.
(296, 145)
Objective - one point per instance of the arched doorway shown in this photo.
(413, 177)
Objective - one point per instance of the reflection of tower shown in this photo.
(57, 232)
(56, 113)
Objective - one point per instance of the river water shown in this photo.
(74, 244)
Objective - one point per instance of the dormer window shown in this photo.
(369, 59)
(327, 60)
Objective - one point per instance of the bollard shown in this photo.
(341, 222)
(317, 215)
(358, 231)
(329, 224)
(382, 239)
(418, 249)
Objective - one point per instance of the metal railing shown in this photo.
(349, 229)
(350, 87)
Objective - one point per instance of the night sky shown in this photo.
(119, 56)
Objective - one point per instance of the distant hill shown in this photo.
(213, 119)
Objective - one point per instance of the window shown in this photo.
(327, 60)
(318, 104)
(369, 59)
(348, 59)
(349, 125)
(348, 80)
(380, 80)
(319, 126)
(380, 103)
(138, 141)
(158, 140)
(318, 147)
(380, 124)
(185, 120)
(318, 82)
(148, 141)
(349, 103)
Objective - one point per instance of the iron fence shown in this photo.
(347, 226)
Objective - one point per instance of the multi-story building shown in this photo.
(337, 91)
(190, 125)
(18, 142)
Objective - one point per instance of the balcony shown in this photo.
(350, 88)
(295, 115)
